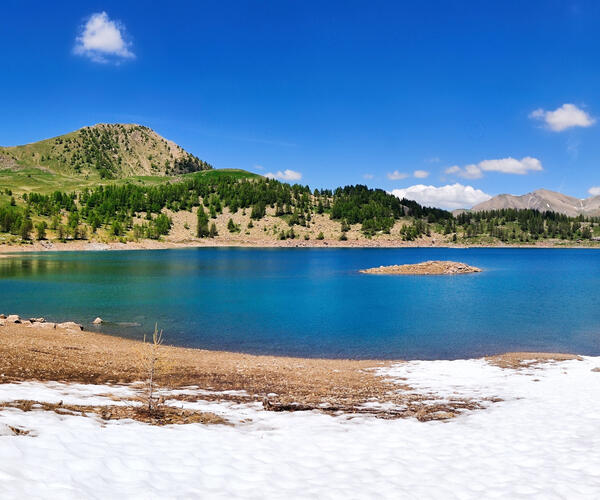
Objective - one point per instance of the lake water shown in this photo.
(313, 302)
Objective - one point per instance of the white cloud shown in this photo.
(259, 167)
(511, 165)
(503, 165)
(102, 40)
(567, 116)
(450, 197)
(421, 174)
(396, 176)
(468, 172)
(594, 191)
(368, 176)
(286, 175)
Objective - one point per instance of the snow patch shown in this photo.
(541, 441)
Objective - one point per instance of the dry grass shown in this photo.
(167, 415)
(518, 360)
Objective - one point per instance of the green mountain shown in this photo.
(105, 151)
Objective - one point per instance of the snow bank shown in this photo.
(541, 441)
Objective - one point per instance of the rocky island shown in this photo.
(430, 267)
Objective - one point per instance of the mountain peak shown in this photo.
(105, 150)
(543, 200)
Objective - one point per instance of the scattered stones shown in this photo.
(430, 267)
(69, 325)
(2, 316)
(26, 322)
(597, 369)
(13, 318)
(37, 320)
(98, 321)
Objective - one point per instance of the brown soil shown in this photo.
(430, 267)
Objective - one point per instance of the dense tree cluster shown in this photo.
(140, 211)
(525, 225)
(378, 210)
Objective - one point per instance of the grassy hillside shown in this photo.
(39, 180)
(104, 151)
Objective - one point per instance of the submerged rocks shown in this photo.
(98, 321)
(430, 267)
(69, 325)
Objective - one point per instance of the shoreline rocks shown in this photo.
(15, 319)
(431, 267)
(97, 321)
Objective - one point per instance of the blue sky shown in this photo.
(468, 98)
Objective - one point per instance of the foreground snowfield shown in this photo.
(541, 441)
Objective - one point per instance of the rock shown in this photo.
(2, 316)
(26, 322)
(45, 325)
(13, 318)
(2, 322)
(597, 369)
(98, 321)
(37, 320)
(69, 325)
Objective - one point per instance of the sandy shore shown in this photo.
(243, 243)
(39, 353)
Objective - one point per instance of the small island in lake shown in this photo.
(429, 267)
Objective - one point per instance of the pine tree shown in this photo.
(202, 230)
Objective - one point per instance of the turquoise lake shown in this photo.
(313, 302)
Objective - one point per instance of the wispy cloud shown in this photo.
(396, 175)
(563, 118)
(502, 165)
(286, 175)
(594, 191)
(368, 176)
(450, 197)
(103, 40)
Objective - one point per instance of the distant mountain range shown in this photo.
(105, 150)
(544, 201)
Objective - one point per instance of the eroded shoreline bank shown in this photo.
(78, 246)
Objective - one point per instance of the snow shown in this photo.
(541, 441)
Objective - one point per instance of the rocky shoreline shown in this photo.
(431, 267)
(15, 319)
